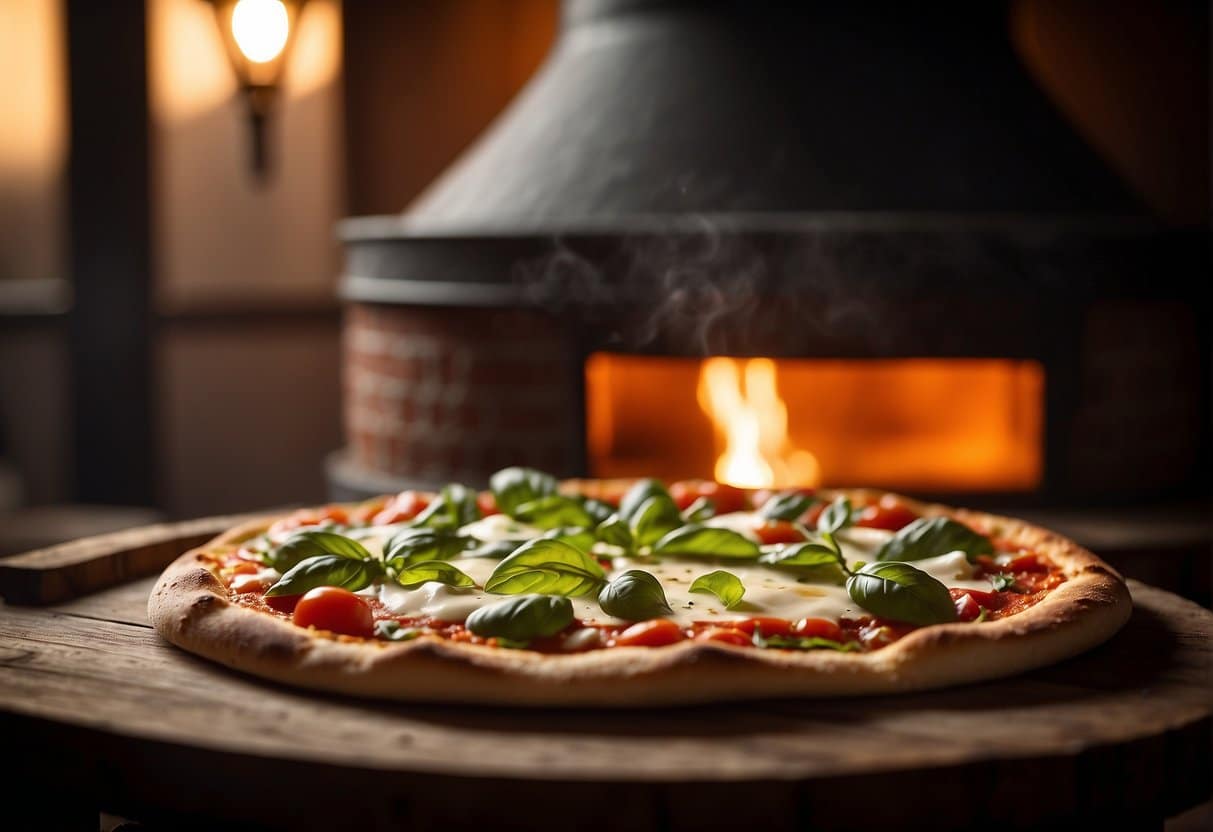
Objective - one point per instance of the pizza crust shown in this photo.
(189, 607)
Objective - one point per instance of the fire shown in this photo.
(752, 420)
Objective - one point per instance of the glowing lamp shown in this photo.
(257, 35)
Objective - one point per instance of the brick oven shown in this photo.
(683, 181)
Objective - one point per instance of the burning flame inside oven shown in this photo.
(942, 425)
(751, 421)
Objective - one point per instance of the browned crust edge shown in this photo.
(189, 607)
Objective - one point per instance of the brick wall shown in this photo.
(436, 394)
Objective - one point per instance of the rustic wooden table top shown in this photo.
(106, 715)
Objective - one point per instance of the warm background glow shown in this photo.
(915, 424)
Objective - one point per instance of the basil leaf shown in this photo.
(789, 506)
(724, 585)
(838, 515)
(514, 486)
(522, 619)
(634, 595)
(548, 566)
(614, 530)
(1003, 581)
(454, 506)
(801, 554)
(656, 516)
(928, 537)
(707, 541)
(582, 539)
(597, 509)
(327, 570)
(698, 511)
(496, 549)
(805, 643)
(302, 545)
(637, 495)
(395, 631)
(416, 545)
(431, 570)
(553, 511)
(901, 592)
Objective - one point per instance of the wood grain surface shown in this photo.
(90, 696)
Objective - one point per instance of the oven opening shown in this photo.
(927, 425)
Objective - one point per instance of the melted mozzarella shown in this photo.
(497, 527)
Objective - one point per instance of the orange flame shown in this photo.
(753, 423)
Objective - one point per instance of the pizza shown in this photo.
(634, 593)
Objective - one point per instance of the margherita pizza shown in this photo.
(629, 593)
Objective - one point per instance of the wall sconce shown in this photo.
(258, 35)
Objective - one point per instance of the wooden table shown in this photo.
(99, 713)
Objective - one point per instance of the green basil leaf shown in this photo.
(327, 570)
(582, 539)
(634, 595)
(707, 541)
(656, 517)
(801, 554)
(553, 511)
(548, 566)
(636, 497)
(308, 544)
(430, 570)
(805, 643)
(614, 530)
(724, 585)
(789, 506)
(597, 509)
(496, 549)
(837, 515)
(514, 486)
(928, 537)
(698, 511)
(395, 631)
(900, 592)
(1003, 581)
(415, 545)
(454, 506)
(523, 618)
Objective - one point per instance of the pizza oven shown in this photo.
(789, 247)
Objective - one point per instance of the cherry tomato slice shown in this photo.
(337, 610)
(890, 513)
(487, 503)
(767, 625)
(404, 506)
(967, 609)
(726, 498)
(724, 635)
(653, 633)
(778, 531)
(818, 628)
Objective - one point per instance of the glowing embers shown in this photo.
(752, 421)
(939, 425)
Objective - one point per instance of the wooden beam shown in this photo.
(108, 190)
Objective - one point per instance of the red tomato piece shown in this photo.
(768, 626)
(282, 603)
(337, 610)
(310, 517)
(985, 599)
(813, 514)
(967, 609)
(818, 628)
(487, 503)
(890, 514)
(778, 531)
(404, 506)
(726, 498)
(247, 583)
(1027, 563)
(653, 633)
(724, 635)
